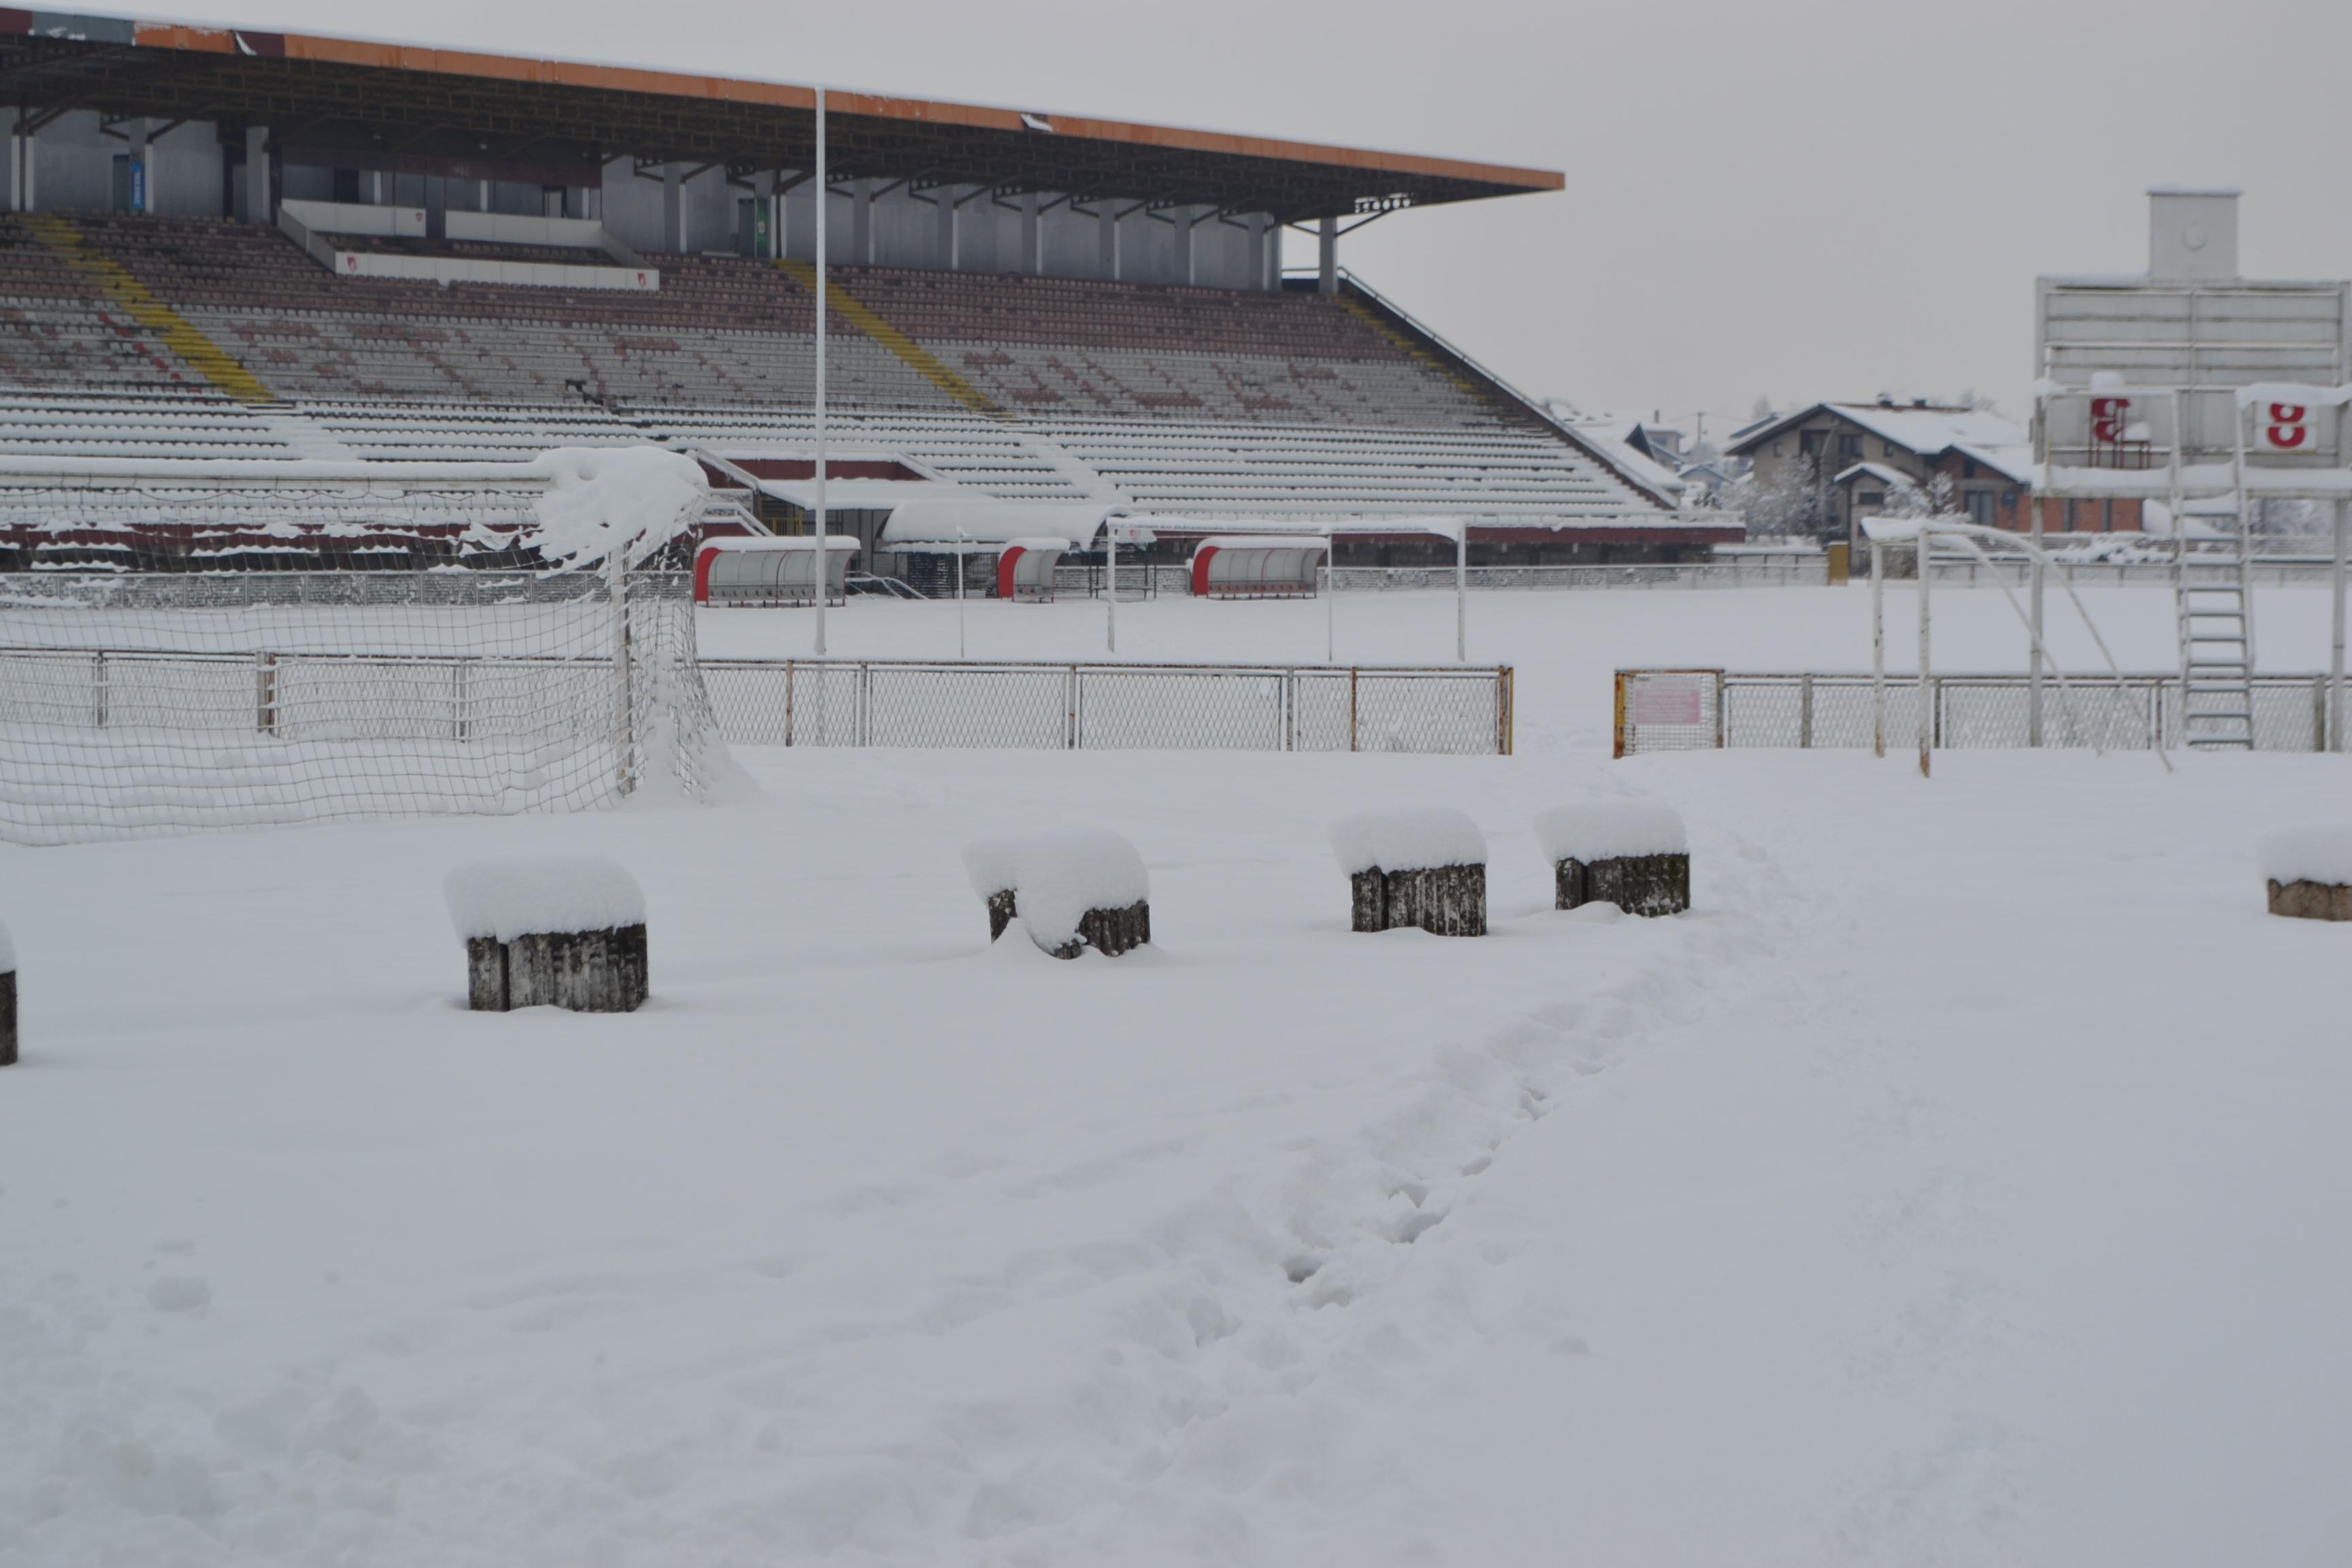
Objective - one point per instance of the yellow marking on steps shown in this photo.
(199, 352)
(918, 358)
(1412, 349)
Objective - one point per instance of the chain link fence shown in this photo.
(1112, 707)
(1692, 709)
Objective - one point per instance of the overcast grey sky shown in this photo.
(1811, 199)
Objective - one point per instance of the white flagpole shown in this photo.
(959, 576)
(1111, 547)
(824, 520)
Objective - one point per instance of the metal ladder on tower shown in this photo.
(2215, 611)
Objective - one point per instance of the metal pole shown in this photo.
(1331, 593)
(959, 576)
(1111, 552)
(2033, 608)
(1878, 649)
(1927, 694)
(2336, 647)
(823, 519)
(1461, 592)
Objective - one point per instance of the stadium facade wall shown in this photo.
(193, 172)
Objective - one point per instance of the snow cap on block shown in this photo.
(1060, 875)
(7, 952)
(603, 499)
(526, 895)
(1610, 830)
(1407, 839)
(2308, 854)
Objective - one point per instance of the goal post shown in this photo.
(1668, 710)
(172, 703)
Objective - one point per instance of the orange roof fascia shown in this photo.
(778, 95)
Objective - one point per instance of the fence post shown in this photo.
(1504, 677)
(1352, 707)
(1070, 698)
(2318, 714)
(789, 682)
(865, 703)
(265, 693)
(1290, 710)
(99, 677)
(1805, 712)
(458, 688)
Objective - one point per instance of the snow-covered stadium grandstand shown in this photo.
(286, 249)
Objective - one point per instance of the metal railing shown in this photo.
(1112, 707)
(1989, 712)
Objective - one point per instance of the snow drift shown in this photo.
(1610, 830)
(603, 499)
(1059, 877)
(2313, 853)
(1407, 839)
(519, 895)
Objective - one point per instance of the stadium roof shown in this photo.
(379, 105)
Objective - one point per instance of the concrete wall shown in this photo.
(75, 173)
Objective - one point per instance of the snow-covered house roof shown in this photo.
(1927, 430)
(1879, 471)
(1626, 447)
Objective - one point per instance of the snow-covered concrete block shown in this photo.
(7, 999)
(1071, 889)
(557, 930)
(2307, 872)
(1417, 866)
(1630, 853)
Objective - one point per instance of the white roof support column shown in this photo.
(257, 175)
(861, 224)
(674, 207)
(20, 167)
(1184, 222)
(1327, 257)
(1260, 271)
(1033, 254)
(142, 180)
(947, 216)
(1107, 243)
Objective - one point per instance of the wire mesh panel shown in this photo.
(1110, 706)
(946, 705)
(1669, 710)
(1992, 711)
(1182, 709)
(1403, 712)
(137, 705)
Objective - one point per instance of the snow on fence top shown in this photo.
(527, 895)
(1610, 830)
(1409, 839)
(2309, 854)
(601, 499)
(1058, 876)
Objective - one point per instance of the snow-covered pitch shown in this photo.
(1961, 1183)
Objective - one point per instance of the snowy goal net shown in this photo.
(175, 702)
(170, 701)
(1668, 710)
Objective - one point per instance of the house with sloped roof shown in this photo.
(1853, 456)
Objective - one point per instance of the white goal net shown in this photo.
(180, 701)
